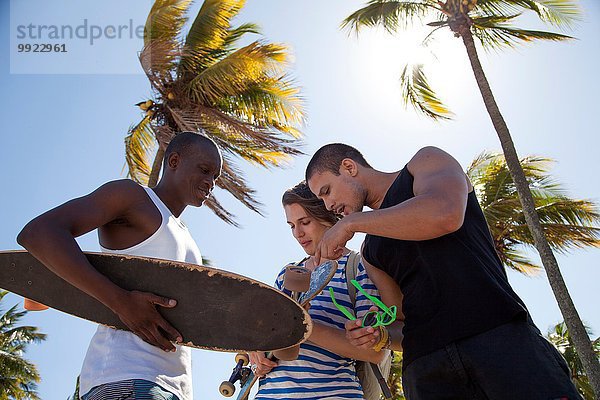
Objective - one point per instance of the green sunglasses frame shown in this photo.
(380, 317)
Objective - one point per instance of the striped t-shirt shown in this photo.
(319, 373)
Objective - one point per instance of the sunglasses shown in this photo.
(384, 317)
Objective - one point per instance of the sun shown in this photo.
(384, 55)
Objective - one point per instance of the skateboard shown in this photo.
(304, 286)
(216, 310)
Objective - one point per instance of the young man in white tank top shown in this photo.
(139, 221)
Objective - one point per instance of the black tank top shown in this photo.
(454, 286)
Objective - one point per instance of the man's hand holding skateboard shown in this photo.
(138, 311)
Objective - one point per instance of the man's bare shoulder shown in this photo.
(122, 189)
(123, 185)
(118, 198)
(434, 162)
(430, 157)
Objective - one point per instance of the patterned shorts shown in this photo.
(133, 389)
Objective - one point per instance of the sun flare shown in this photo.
(383, 56)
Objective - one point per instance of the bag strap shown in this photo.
(301, 261)
(351, 272)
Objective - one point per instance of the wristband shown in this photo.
(384, 339)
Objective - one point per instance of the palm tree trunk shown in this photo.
(578, 333)
(158, 160)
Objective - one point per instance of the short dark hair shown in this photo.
(184, 141)
(329, 158)
(314, 207)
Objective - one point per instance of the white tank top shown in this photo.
(115, 355)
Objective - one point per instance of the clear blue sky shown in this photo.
(63, 135)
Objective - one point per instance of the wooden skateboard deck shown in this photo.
(216, 310)
(319, 279)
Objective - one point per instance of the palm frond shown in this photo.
(429, 38)
(259, 146)
(213, 204)
(494, 33)
(21, 335)
(165, 20)
(235, 34)
(233, 75)
(18, 376)
(271, 102)
(140, 142)
(479, 163)
(517, 261)
(561, 339)
(493, 182)
(232, 180)
(230, 42)
(496, 8)
(159, 60)
(209, 33)
(388, 14)
(417, 92)
(560, 13)
(564, 210)
(568, 223)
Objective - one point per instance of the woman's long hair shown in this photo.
(314, 207)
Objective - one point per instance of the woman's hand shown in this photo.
(260, 364)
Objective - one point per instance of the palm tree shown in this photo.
(202, 81)
(490, 22)
(561, 339)
(568, 223)
(18, 377)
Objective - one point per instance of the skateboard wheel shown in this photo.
(242, 356)
(31, 305)
(296, 279)
(227, 389)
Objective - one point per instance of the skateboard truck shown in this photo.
(240, 373)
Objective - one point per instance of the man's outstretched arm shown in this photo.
(438, 208)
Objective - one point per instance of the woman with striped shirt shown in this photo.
(324, 368)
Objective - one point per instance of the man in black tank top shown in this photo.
(464, 333)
